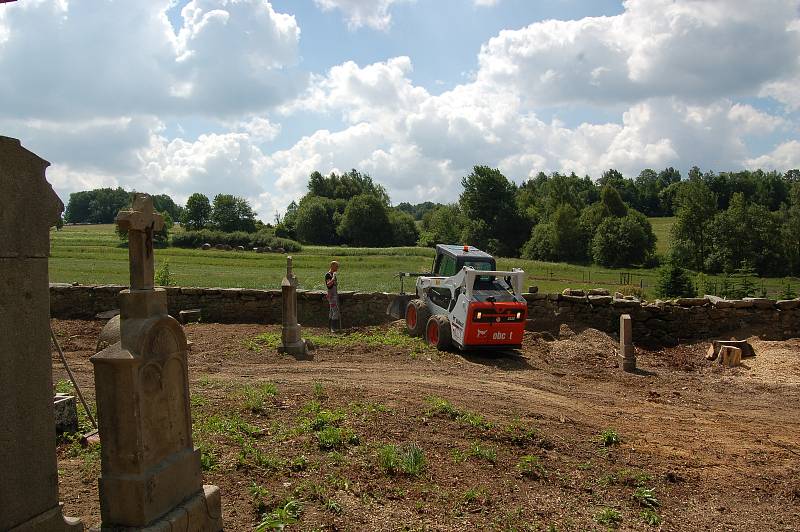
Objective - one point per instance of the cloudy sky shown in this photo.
(249, 96)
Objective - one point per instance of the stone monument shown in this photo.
(150, 471)
(626, 343)
(28, 207)
(291, 342)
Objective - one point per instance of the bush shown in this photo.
(674, 281)
(623, 241)
(195, 239)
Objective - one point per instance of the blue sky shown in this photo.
(250, 96)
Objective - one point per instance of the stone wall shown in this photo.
(225, 305)
(658, 323)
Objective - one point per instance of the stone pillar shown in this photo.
(28, 208)
(626, 343)
(151, 477)
(291, 341)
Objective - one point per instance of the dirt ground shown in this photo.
(719, 448)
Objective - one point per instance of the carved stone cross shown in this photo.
(141, 221)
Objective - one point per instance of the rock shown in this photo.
(66, 412)
(691, 301)
(107, 315)
(741, 303)
(788, 304)
(619, 295)
(206, 246)
(573, 292)
(221, 247)
(600, 299)
(239, 248)
(598, 292)
(761, 302)
(533, 289)
(190, 315)
(280, 250)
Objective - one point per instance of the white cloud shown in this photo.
(83, 59)
(784, 157)
(699, 50)
(358, 13)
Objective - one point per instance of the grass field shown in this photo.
(92, 255)
(661, 227)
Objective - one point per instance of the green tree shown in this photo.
(560, 239)
(197, 213)
(314, 222)
(674, 281)
(493, 222)
(696, 207)
(345, 186)
(404, 229)
(612, 201)
(442, 225)
(366, 222)
(231, 213)
(625, 241)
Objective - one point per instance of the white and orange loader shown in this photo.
(465, 302)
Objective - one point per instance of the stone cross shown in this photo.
(28, 467)
(291, 341)
(626, 343)
(141, 221)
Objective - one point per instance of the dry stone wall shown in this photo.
(657, 323)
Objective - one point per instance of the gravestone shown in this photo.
(626, 343)
(150, 471)
(291, 342)
(28, 473)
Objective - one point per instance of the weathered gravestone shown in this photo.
(150, 471)
(626, 343)
(28, 474)
(291, 342)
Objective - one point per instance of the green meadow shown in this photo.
(92, 254)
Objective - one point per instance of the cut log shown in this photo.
(744, 345)
(730, 356)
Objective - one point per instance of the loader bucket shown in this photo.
(397, 307)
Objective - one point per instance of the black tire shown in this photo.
(438, 333)
(417, 315)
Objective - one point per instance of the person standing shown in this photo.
(334, 314)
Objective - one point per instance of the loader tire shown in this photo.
(438, 333)
(417, 315)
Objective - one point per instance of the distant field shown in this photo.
(92, 255)
(662, 227)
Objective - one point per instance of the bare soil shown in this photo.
(719, 447)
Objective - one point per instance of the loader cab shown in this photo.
(451, 258)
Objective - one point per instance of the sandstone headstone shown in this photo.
(626, 343)
(291, 341)
(150, 471)
(28, 472)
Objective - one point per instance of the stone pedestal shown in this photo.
(28, 472)
(151, 477)
(291, 341)
(626, 351)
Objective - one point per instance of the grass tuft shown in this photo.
(608, 517)
(531, 467)
(609, 438)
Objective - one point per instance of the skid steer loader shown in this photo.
(465, 302)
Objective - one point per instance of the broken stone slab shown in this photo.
(741, 303)
(788, 304)
(719, 302)
(761, 302)
(192, 315)
(66, 413)
(600, 299)
(533, 289)
(716, 345)
(576, 298)
(730, 356)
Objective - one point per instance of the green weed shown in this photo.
(480, 452)
(64, 387)
(280, 517)
(650, 517)
(408, 460)
(319, 391)
(646, 497)
(256, 397)
(330, 438)
(609, 438)
(531, 467)
(299, 463)
(608, 517)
